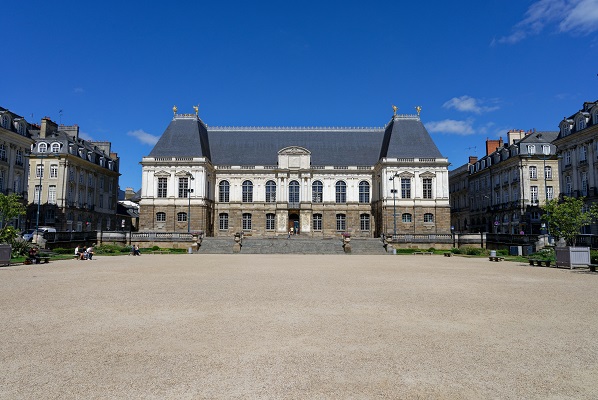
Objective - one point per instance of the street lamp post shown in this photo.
(394, 206)
(189, 191)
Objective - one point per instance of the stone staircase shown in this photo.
(294, 245)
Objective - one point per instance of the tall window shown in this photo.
(545, 149)
(341, 192)
(316, 191)
(568, 157)
(39, 171)
(341, 222)
(294, 192)
(548, 172)
(317, 222)
(533, 172)
(42, 147)
(428, 217)
(406, 217)
(52, 194)
(38, 193)
(364, 192)
(405, 188)
(270, 222)
(427, 188)
(181, 217)
(584, 183)
(223, 221)
(531, 149)
(53, 171)
(224, 192)
(19, 157)
(534, 194)
(162, 186)
(549, 192)
(55, 147)
(583, 153)
(183, 187)
(247, 188)
(568, 185)
(246, 221)
(364, 222)
(160, 217)
(270, 192)
(2, 152)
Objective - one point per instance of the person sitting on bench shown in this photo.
(34, 255)
(89, 252)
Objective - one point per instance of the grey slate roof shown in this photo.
(403, 137)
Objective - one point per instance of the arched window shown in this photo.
(55, 147)
(316, 191)
(160, 217)
(406, 217)
(224, 192)
(341, 192)
(294, 193)
(364, 192)
(246, 221)
(270, 222)
(364, 222)
(270, 192)
(181, 217)
(247, 194)
(42, 147)
(223, 221)
(428, 217)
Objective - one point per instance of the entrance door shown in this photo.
(293, 223)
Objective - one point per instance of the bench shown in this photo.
(160, 252)
(423, 253)
(496, 258)
(448, 254)
(534, 261)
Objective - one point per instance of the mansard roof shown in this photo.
(185, 136)
(404, 137)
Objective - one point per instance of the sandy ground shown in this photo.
(297, 327)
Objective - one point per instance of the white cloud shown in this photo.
(86, 136)
(468, 104)
(451, 126)
(78, 90)
(574, 16)
(144, 137)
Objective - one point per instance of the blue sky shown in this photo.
(477, 68)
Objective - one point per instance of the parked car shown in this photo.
(28, 235)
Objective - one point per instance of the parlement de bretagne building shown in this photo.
(317, 181)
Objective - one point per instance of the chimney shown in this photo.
(473, 159)
(514, 135)
(71, 130)
(129, 192)
(47, 127)
(493, 145)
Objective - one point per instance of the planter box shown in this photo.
(572, 256)
(5, 250)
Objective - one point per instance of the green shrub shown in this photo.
(110, 249)
(594, 256)
(474, 251)
(19, 247)
(432, 249)
(456, 250)
(61, 250)
(502, 252)
(155, 248)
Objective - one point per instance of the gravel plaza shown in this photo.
(297, 327)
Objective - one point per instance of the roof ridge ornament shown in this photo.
(196, 108)
(418, 109)
(174, 109)
(394, 109)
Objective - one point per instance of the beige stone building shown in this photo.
(74, 182)
(507, 187)
(317, 182)
(15, 142)
(577, 145)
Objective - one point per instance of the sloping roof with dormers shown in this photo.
(403, 137)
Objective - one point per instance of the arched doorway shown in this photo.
(293, 225)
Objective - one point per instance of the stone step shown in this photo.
(294, 245)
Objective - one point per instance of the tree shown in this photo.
(11, 207)
(566, 218)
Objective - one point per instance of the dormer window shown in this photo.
(81, 153)
(581, 124)
(110, 164)
(42, 147)
(531, 149)
(21, 129)
(5, 122)
(55, 147)
(545, 149)
(102, 162)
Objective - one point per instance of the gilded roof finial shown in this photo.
(418, 109)
(394, 109)
(196, 108)
(174, 109)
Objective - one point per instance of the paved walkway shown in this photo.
(297, 327)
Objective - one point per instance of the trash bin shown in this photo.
(492, 253)
(190, 250)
